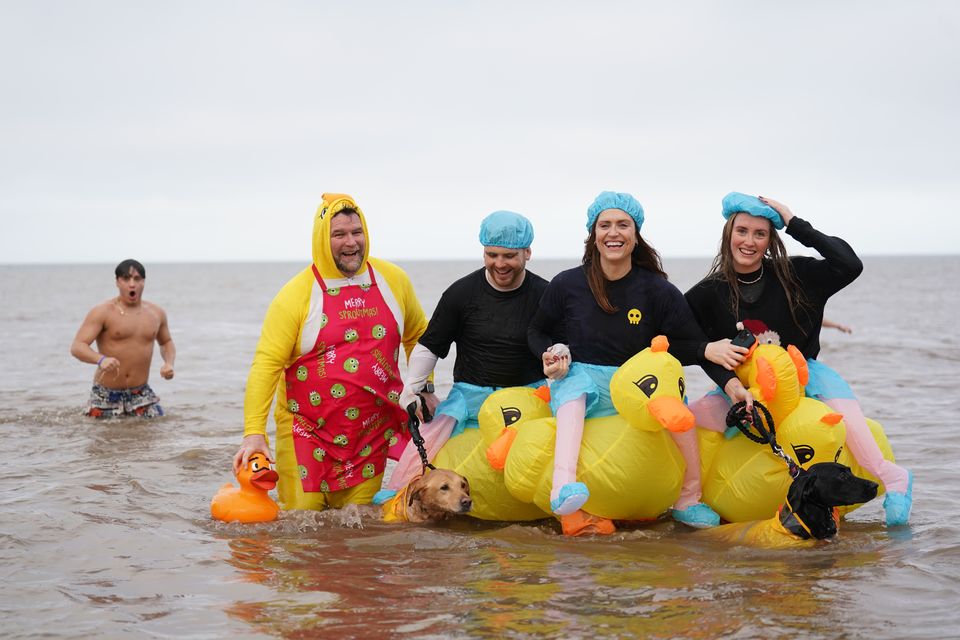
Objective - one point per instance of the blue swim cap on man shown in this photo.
(506, 229)
(736, 202)
(613, 200)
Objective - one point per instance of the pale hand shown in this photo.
(110, 365)
(253, 443)
(555, 367)
(725, 353)
(738, 393)
(779, 207)
(166, 371)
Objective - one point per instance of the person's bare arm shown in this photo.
(168, 350)
(92, 327)
(830, 324)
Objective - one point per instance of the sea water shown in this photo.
(105, 527)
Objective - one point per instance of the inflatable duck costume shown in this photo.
(329, 350)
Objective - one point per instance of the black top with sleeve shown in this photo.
(648, 305)
(768, 315)
(490, 329)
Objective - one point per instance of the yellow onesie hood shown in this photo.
(331, 204)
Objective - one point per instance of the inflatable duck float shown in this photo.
(629, 461)
(249, 502)
(745, 481)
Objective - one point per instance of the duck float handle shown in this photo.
(249, 502)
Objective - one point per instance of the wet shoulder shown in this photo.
(467, 285)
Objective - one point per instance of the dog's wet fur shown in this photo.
(825, 485)
(438, 495)
(811, 497)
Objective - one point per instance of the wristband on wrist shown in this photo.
(100, 360)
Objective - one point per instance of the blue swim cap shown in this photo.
(613, 200)
(506, 229)
(736, 202)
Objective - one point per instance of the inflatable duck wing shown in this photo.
(628, 460)
(249, 502)
(501, 415)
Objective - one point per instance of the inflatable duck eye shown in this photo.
(510, 415)
(804, 453)
(683, 387)
(648, 384)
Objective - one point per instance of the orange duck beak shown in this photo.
(671, 413)
(265, 479)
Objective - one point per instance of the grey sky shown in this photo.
(186, 131)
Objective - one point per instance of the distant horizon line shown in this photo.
(471, 259)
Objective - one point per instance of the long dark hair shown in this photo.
(776, 257)
(643, 256)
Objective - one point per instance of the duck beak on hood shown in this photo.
(332, 204)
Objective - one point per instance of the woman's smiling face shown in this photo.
(616, 235)
(749, 241)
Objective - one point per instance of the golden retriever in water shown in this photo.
(437, 495)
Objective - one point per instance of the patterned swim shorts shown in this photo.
(113, 403)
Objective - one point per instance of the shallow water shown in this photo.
(106, 528)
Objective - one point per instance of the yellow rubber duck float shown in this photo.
(629, 461)
(743, 480)
(249, 502)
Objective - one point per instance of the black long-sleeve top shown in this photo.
(818, 279)
(648, 305)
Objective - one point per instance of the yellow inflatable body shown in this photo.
(629, 461)
(745, 481)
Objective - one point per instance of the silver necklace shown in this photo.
(121, 310)
(755, 280)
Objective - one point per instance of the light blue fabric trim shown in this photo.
(592, 380)
(463, 404)
(826, 384)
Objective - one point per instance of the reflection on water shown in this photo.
(106, 528)
(479, 580)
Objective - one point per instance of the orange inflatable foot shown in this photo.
(581, 523)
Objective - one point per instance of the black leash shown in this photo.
(762, 421)
(413, 423)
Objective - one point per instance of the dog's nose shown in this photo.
(465, 504)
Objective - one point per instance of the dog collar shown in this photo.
(792, 522)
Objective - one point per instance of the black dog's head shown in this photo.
(825, 485)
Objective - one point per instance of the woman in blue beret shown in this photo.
(781, 299)
(609, 309)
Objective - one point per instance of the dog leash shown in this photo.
(762, 421)
(413, 423)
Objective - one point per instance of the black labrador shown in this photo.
(807, 515)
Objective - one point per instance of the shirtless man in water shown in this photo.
(124, 329)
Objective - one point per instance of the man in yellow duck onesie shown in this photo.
(329, 350)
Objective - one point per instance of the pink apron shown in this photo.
(344, 393)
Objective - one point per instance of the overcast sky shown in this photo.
(196, 131)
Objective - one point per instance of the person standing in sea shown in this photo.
(329, 351)
(610, 308)
(781, 299)
(486, 314)
(125, 328)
